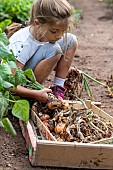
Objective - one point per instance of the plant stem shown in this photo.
(11, 100)
(80, 100)
(92, 78)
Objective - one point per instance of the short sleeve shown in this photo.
(21, 51)
(23, 54)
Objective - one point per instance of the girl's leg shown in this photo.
(45, 67)
(65, 62)
(44, 61)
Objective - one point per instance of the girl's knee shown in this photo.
(68, 41)
(52, 50)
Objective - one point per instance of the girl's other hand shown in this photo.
(42, 95)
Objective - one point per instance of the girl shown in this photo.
(44, 45)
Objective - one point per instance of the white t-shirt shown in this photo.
(30, 51)
(23, 45)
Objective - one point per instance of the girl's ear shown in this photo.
(36, 22)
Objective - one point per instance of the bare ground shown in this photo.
(94, 56)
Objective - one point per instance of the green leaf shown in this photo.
(2, 14)
(5, 23)
(3, 105)
(4, 38)
(1, 79)
(12, 64)
(0, 30)
(11, 79)
(21, 110)
(8, 126)
(5, 69)
(33, 84)
(5, 53)
(6, 84)
(6, 94)
(29, 73)
(20, 77)
(3, 50)
(1, 124)
(6, 74)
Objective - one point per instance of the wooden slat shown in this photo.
(74, 155)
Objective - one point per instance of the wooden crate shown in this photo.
(43, 152)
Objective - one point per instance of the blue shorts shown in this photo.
(49, 50)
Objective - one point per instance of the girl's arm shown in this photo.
(19, 64)
(41, 95)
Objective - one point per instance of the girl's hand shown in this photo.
(42, 95)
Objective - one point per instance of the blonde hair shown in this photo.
(50, 11)
(46, 11)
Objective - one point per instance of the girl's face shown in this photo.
(50, 33)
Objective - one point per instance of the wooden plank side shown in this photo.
(74, 155)
(28, 134)
(30, 139)
(102, 113)
(78, 104)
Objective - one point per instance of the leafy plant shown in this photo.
(8, 101)
(76, 14)
(14, 11)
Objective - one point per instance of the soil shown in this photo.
(93, 56)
